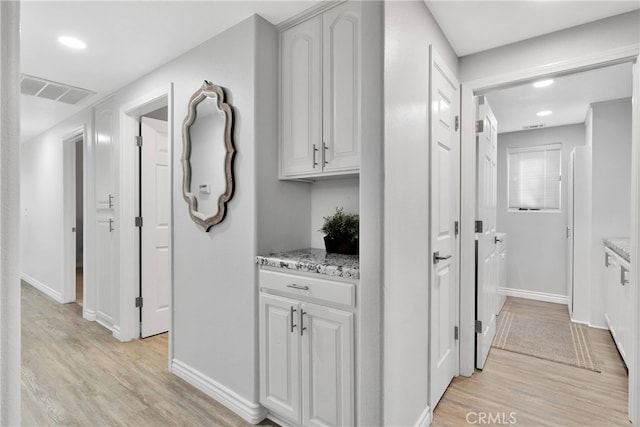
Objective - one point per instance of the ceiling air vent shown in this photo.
(533, 127)
(54, 91)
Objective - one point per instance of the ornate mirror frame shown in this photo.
(208, 90)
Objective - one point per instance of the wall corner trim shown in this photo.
(250, 411)
(424, 420)
(42, 287)
(538, 296)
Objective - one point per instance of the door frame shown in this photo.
(69, 210)
(468, 180)
(129, 274)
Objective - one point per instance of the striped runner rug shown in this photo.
(546, 332)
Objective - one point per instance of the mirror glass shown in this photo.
(207, 157)
(208, 179)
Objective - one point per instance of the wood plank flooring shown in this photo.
(540, 392)
(75, 373)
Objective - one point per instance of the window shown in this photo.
(534, 177)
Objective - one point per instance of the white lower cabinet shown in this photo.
(306, 361)
(618, 309)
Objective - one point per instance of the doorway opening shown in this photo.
(79, 221)
(146, 243)
(74, 217)
(562, 295)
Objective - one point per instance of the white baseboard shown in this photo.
(424, 420)
(538, 296)
(250, 411)
(42, 287)
(89, 315)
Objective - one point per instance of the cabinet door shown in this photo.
(610, 291)
(625, 319)
(327, 366)
(301, 99)
(341, 87)
(279, 356)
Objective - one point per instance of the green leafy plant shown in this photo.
(341, 225)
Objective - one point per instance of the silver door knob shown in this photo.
(437, 258)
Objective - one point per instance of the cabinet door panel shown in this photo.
(301, 98)
(327, 366)
(341, 87)
(279, 356)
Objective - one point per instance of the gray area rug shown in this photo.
(522, 327)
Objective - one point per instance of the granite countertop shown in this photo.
(314, 261)
(620, 245)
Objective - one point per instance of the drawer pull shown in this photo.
(294, 286)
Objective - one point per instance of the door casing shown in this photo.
(468, 187)
(129, 275)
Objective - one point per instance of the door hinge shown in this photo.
(478, 226)
(457, 123)
(139, 141)
(479, 126)
(138, 302)
(478, 326)
(456, 333)
(138, 221)
(456, 228)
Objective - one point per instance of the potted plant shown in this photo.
(341, 232)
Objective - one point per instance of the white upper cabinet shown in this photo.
(320, 90)
(301, 116)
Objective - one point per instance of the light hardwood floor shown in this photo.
(540, 392)
(75, 373)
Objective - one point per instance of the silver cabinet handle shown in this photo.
(294, 286)
(437, 258)
(606, 259)
(293, 310)
(302, 328)
(111, 225)
(623, 276)
(324, 151)
(110, 201)
(315, 150)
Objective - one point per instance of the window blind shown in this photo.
(535, 177)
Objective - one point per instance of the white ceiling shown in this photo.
(477, 25)
(568, 98)
(127, 39)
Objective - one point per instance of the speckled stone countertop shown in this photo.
(314, 261)
(620, 245)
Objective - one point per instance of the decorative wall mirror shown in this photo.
(207, 155)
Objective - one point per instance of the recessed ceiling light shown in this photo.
(72, 42)
(543, 83)
(544, 113)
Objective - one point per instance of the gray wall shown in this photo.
(409, 30)
(536, 241)
(611, 192)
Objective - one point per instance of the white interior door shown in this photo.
(155, 231)
(444, 207)
(486, 253)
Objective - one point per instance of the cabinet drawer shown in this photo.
(309, 287)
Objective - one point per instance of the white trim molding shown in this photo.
(47, 290)
(538, 296)
(250, 411)
(424, 420)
